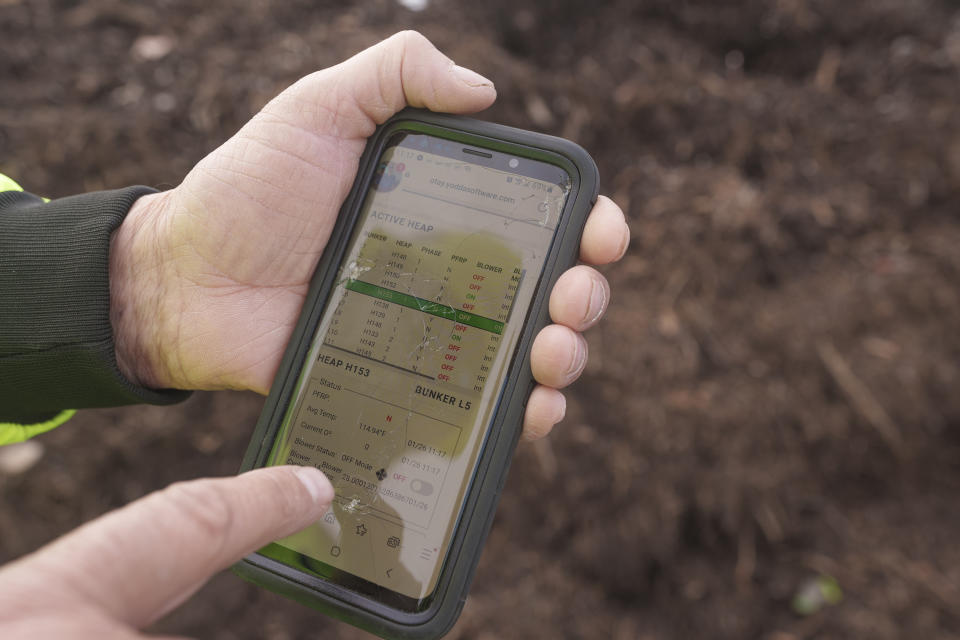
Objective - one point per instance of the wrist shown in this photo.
(137, 295)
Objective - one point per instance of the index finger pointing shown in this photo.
(606, 235)
(137, 563)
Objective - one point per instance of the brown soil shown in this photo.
(775, 394)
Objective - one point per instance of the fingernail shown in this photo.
(316, 484)
(599, 294)
(626, 239)
(563, 409)
(579, 360)
(471, 78)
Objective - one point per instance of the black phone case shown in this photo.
(494, 460)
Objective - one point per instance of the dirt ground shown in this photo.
(774, 397)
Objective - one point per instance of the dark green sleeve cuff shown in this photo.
(56, 341)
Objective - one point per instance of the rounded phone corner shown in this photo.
(338, 271)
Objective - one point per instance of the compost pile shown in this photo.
(773, 403)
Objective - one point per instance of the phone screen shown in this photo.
(410, 356)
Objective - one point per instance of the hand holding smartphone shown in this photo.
(407, 376)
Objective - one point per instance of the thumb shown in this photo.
(405, 69)
(139, 562)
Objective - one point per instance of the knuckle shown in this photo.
(412, 38)
(202, 506)
(288, 503)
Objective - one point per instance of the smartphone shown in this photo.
(408, 373)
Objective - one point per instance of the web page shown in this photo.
(410, 355)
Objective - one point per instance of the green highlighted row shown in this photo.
(426, 306)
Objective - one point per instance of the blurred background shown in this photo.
(766, 443)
